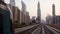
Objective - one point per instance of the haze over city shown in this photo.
(45, 6)
(30, 16)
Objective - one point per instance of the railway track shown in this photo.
(41, 29)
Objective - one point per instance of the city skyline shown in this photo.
(45, 6)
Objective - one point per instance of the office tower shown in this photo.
(23, 6)
(27, 18)
(53, 13)
(38, 13)
(12, 2)
(48, 19)
(53, 9)
(24, 11)
(57, 20)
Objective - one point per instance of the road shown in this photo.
(41, 29)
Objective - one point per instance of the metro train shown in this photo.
(6, 19)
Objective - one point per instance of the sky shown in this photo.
(45, 7)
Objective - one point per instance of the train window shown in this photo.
(1, 23)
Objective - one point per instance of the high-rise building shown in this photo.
(27, 18)
(57, 20)
(48, 19)
(17, 14)
(53, 13)
(23, 6)
(33, 19)
(12, 2)
(53, 9)
(23, 10)
(12, 10)
(38, 13)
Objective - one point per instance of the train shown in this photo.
(6, 19)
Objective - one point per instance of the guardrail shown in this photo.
(24, 28)
(55, 31)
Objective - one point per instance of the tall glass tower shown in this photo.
(53, 13)
(12, 2)
(24, 11)
(38, 13)
(23, 6)
(53, 9)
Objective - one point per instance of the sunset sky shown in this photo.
(45, 6)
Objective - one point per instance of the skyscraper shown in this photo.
(12, 2)
(53, 13)
(23, 6)
(23, 10)
(38, 13)
(53, 9)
